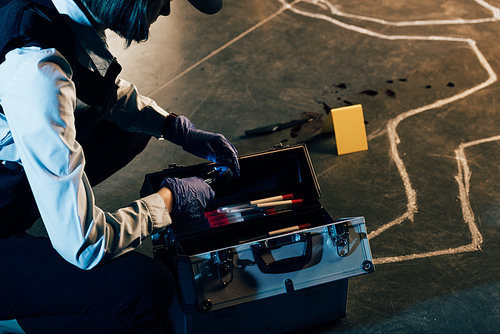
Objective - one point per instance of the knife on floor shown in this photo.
(268, 129)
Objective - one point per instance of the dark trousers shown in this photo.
(46, 294)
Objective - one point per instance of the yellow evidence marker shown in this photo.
(349, 126)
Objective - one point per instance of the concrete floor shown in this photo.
(429, 183)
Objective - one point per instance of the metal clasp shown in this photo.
(223, 262)
(339, 233)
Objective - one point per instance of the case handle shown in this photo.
(286, 265)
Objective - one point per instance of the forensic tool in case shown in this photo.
(264, 270)
(278, 198)
(216, 175)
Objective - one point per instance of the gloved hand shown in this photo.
(191, 195)
(207, 145)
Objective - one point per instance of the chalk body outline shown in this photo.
(463, 176)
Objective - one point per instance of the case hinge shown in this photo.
(279, 146)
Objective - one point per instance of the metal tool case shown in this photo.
(268, 284)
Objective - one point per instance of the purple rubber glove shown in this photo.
(191, 195)
(207, 145)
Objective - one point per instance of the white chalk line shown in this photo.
(335, 11)
(231, 42)
(394, 138)
(481, 141)
(463, 180)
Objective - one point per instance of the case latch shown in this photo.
(339, 233)
(223, 262)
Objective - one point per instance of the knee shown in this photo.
(150, 294)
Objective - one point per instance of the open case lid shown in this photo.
(275, 168)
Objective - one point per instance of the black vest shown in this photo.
(37, 23)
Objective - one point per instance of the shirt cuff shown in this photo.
(166, 124)
(154, 118)
(160, 217)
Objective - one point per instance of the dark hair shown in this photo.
(128, 18)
